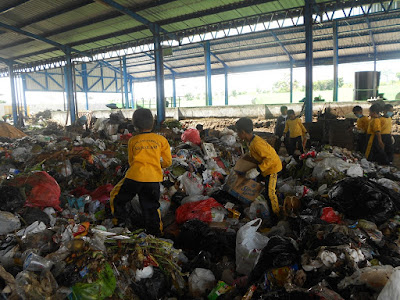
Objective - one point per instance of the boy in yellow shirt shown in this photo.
(375, 146)
(386, 131)
(361, 129)
(296, 132)
(269, 163)
(148, 153)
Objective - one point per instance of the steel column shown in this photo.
(23, 79)
(308, 22)
(291, 81)
(125, 81)
(173, 90)
(132, 97)
(159, 70)
(85, 84)
(335, 61)
(69, 89)
(13, 96)
(207, 58)
(226, 86)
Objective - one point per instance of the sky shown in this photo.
(249, 81)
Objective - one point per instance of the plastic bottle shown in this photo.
(34, 262)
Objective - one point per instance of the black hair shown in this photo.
(142, 118)
(357, 108)
(199, 127)
(244, 124)
(283, 108)
(388, 107)
(376, 108)
(290, 112)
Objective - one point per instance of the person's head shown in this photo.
(388, 110)
(143, 120)
(199, 127)
(291, 114)
(284, 110)
(244, 128)
(374, 111)
(358, 111)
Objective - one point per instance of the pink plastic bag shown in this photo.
(102, 193)
(41, 190)
(330, 216)
(191, 135)
(200, 210)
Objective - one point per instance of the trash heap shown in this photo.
(337, 236)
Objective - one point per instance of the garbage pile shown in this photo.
(337, 236)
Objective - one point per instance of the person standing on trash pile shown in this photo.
(297, 131)
(269, 163)
(361, 128)
(375, 146)
(279, 127)
(148, 153)
(386, 131)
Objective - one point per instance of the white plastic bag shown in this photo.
(392, 288)
(249, 244)
(201, 281)
(192, 184)
(355, 171)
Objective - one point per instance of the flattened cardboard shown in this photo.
(246, 190)
(245, 164)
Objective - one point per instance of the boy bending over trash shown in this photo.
(296, 132)
(148, 153)
(269, 163)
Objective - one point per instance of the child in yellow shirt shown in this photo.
(361, 129)
(296, 132)
(148, 153)
(269, 163)
(386, 131)
(375, 147)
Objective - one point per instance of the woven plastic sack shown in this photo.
(191, 135)
(41, 190)
(102, 193)
(200, 210)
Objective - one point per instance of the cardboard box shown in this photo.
(245, 164)
(246, 190)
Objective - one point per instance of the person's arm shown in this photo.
(166, 154)
(303, 129)
(130, 152)
(379, 137)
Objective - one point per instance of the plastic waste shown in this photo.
(194, 198)
(8, 222)
(191, 135)
(192, 184)
(392, 288)
(200, 210)
(330, 215)
(355, 171)
(35, 227)
(66, 168)
(28, 286)
(52, 215)
(259, 209)
(34, 262)
(220, 289)
(228, 140)
(249, 244)
(146, 272)
(152, 288)
(200, 281)
(11, 198)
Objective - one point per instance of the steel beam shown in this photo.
(173, 90)
(85, 87)
(69, 89)
(371, 35)
(291, 81)
(13, 96)
(282, 45)
(308, 22)
(226, 86)
(13, 5)
(23, 78)
(125, 81)
(207, 60)
(335, 62)
(159, 70)
(132, 95)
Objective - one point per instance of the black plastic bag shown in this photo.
(11, 198)
(151, 288)
(279, 252)
(360, 198)
(33, 214)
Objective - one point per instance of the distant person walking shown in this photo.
(279, 128)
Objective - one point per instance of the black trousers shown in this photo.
(361, 142)
(295, 143)
(149, 195)
(389, 149)
(278, 143)
(374, 151)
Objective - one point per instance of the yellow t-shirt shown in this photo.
(386, 125)
(144, 153)
(295, 128)
(268, 161)
(374, 126)
(362, 123)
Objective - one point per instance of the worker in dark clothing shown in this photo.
(279, 128)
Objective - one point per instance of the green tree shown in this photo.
(398, 75)
(189, 97)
